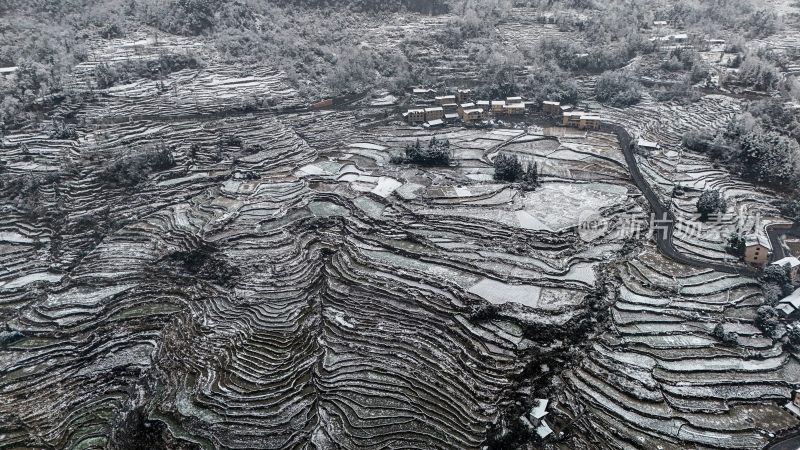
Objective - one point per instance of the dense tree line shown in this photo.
(436, 153)
(131, 170)
(547, 82)
(509, 168)
(317, 43)
(618, 89)
(757, 147)
(24, 191)
(107, 75)
(711, 202)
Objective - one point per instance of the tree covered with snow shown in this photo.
(711, 202)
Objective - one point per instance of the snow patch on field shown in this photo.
(16, 238)
(386, 186)
(85, 297)
(498, 293)
(367, 146)
(32, 278)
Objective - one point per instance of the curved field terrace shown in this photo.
(228, 226)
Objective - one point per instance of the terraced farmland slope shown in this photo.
(281, 284)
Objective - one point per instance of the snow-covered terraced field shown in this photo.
(749, 209)
(658, 378)
(345, 317)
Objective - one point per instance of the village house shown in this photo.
(515, 109)
(414, 115)
(513, 100)
(450, 108)
(794, 403)
(473, 115)
(789, 305)
(7, 71)
(644, 144)
(451, 116)
(465, 106)
(680, 37)
(551, 108)
(464, 95)
(445, 99)
(498, 106)
(757, 250)
(794, 267)
(589, 122)
(435, 123)
(434, 113)
(485, 105)
(572, 119)
(322, 104)
(424, 93)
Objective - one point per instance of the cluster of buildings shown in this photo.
(460, 106)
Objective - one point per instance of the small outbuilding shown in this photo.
(794, 402)
(7, 71)
(644, 144)
(794, 267)
(435, 123)
(789, 305)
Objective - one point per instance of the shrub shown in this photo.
(24, 192)
(772, 293)
(107, 75)
(768, 157)
(727, 337)
(793, 333)
(483, 312)
(711, 202)
(530, 181)
(129, 171)
(775, 274)
(62, 130)
(767, 319)
(682, 92)
(618, 89)
(508, 168)
(736, 245)
(697, 140)
(791, 209)
(437, 153)
(758, 73)
(549, 83)
(204, 263)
